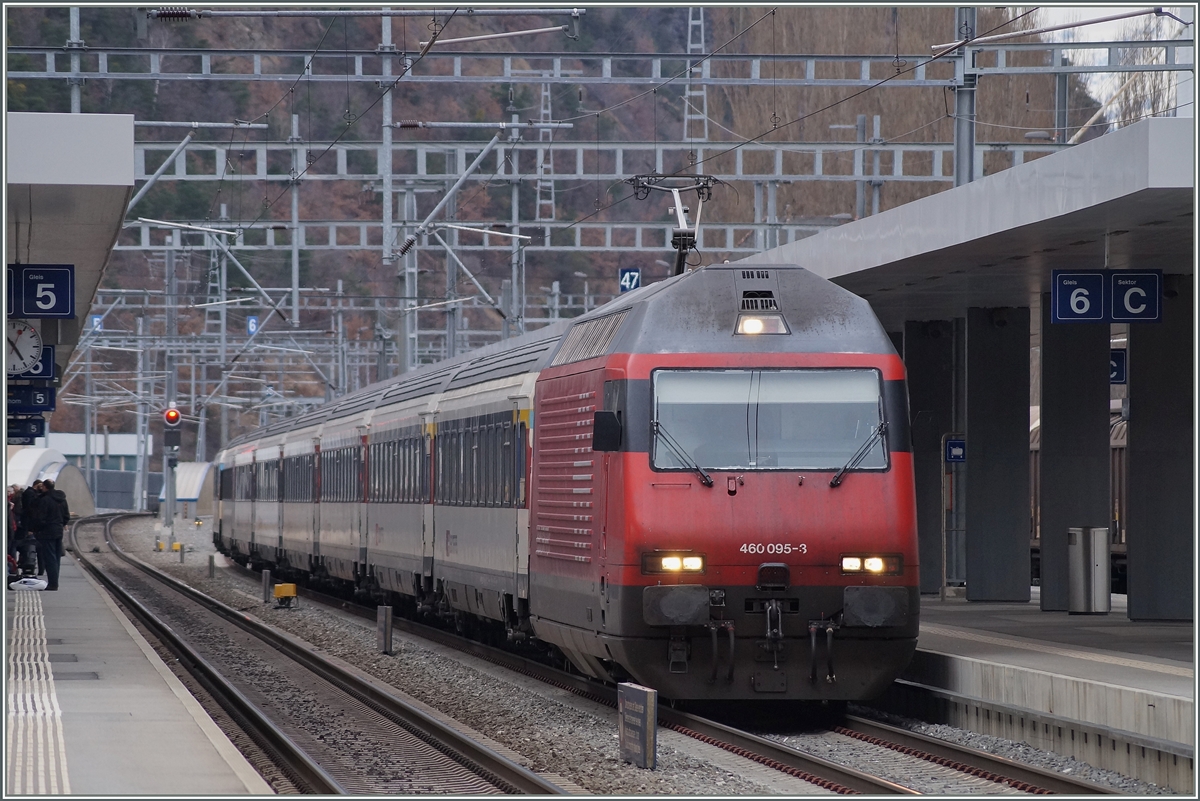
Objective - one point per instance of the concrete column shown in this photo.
(997, 493)
(929, 360)
(1160, 524)
(1074, 443)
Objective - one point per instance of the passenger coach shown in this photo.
(705, 485)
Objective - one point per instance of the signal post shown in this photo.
(171, 441)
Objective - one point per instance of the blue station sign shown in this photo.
(1078, 297)
(1118, 366)
(631, 278)
(1136, 297)
(25, 428)
(29, 399)
(44, 369)
(956, 450)
(1106, 296)
(41, 291)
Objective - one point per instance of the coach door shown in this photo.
(315, 551)
(360, 508)
(428, 471)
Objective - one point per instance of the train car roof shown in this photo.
(690, 313)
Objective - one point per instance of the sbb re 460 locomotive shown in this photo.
(705, 486)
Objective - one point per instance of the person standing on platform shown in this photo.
(29, 525)
(15, 530)
(52, 515)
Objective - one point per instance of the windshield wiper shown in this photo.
(681, 454)
(859, 455)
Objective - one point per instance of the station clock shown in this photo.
(24, 346)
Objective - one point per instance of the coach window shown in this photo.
(398, 470)
(493, 465)
(477, 465)
(405, 471)
(498, 462)
(424, 488)
(413, 470)
(459, 479)
(391, 470)
(398, 489)
(485, 462)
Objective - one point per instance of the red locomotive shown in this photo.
(705, 486)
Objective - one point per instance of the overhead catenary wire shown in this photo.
(849, 97)
(407, 68)
(177, 13)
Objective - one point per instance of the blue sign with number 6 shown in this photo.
(1077, 297)
(44, 369)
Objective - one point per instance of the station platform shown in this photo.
(93, 710)
(1111, 692)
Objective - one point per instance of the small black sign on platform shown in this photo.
(637, 724)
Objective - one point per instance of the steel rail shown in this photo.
(1026, 774)
(290, 758)
(759, 749)
(476, 756)
(1045, 779)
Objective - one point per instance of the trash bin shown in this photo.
(1088, 576)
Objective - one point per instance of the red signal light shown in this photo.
(171, 417)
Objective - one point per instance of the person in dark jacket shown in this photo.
(52, 514)
(26, 545)
(15, 531)
(29, 496)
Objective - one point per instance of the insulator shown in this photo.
(175, 12)
(409, 241)
(410, 124)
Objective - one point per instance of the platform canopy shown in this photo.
(994, 242)
(69, 178)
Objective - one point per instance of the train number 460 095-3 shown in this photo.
(773, 547)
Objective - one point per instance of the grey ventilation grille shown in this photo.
(756, 275)
(590, 339)
(759, 300)
(416, 387)
(502, 365)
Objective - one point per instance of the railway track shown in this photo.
(921, 764)
(325, 729)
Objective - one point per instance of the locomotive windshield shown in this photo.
(767, 419)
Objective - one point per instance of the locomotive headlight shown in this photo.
(660, 562)
(754, 324)
(879, 565)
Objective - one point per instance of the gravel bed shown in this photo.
(910, 771)
(1019, 752)
(553, 731)
(360, 749)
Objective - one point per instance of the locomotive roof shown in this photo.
(690, 313)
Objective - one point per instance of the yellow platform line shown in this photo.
(36, 753)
